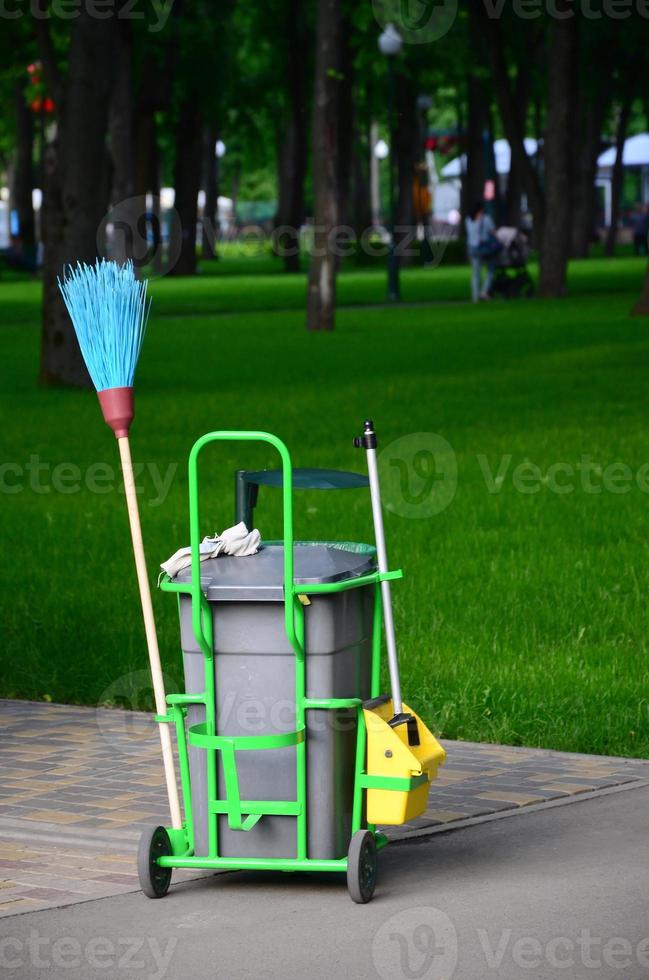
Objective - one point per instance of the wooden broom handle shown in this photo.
(149, 626)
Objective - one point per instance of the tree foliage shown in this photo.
(574, 80)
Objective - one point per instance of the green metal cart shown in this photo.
(163, 849)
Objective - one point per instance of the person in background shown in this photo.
(483, 247)
(640, 227)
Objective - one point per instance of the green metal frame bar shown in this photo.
(168, 585)
(244, 814)
(399, 784)
(199, 736)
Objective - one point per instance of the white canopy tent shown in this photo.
(635, 155)
(502, 154)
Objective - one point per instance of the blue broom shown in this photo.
(109, 311)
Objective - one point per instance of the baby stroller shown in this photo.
(511, 278)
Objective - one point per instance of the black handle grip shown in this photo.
(368, 440)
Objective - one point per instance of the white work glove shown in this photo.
(237, 541)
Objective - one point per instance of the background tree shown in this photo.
(293, 90)
(24, 174)
(200, 68)
(558, 150)
(210, 171)
(625, 87)
(594, 93)
(293, 133)
(20, 120)
(641, 308)
(321, 299)
(121, 141)
(75, 171)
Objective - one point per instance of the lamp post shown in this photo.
(390, 44)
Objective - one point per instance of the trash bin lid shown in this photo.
(309, 479)
(260, 577)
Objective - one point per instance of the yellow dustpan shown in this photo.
(398, 774)
(402, 755)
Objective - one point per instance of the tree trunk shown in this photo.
(641, 308)
(147, 181)
(321, 301)
(585, 169)
(292, 153)
(234, 188)
(23, 177)
(375, 175)
(408, 153)
(291, 166)
(121, 129)
(361, 218)
(510, 114)
(477, 123)
(145, 142)
(75, 185)
(618, 176)
(211, 188)
(346, 116)
(187, 179)
(513, 196)
(558, 146)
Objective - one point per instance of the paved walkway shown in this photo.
(557, 894)
(79, 786)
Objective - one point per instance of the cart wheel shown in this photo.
(361, 867)
(154, 880)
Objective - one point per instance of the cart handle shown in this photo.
(198, 599)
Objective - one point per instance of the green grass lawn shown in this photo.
(523, 616)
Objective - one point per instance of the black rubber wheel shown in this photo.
(361, 867)
(154, 880)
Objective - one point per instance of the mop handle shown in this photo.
(150, 630)
(369, 442)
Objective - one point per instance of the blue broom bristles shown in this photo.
(109, 311)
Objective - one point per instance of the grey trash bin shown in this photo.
(254, 666)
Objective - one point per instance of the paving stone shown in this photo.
(79, 785)
(570, 789)
(520, 799)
